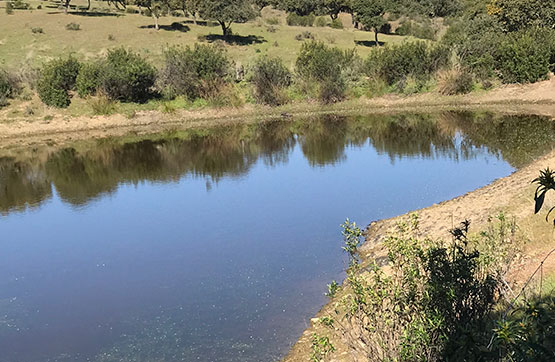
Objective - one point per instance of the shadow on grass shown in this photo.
(93, 14)
(172, 27)
(201, 23)
(235, 39)
(368, 43)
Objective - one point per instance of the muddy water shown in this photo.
(217, 245)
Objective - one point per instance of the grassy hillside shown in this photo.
(101, 30)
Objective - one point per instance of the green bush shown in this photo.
(272, 21)
(336, 24)
(9, 8)
(56, 79)
(270, 78)
(194, 72)
(10, 84)
(475, 41)
(127, 76)
(522, 58)
(321, 21)
(19, 5)
(326, 67)
(396, 63)
(422, 31)
(73, 26)
(528, 332)
(294, 19)
(89, 80)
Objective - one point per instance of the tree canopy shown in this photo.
(370, 13)
(227, 12)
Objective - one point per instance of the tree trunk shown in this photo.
(225, 28)
(156, 26)
(376, 37)
(66, 7)
(89, 5)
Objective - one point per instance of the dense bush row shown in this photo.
(321, 72)
(489, 47)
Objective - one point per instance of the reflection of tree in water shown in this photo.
(232, 151)
(22, 185)
(323, 140)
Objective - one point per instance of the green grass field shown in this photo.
(101, 31)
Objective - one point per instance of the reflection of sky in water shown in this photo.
(180, 270)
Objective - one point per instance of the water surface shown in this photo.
(217, 245)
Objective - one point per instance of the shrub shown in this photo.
(56, 79)
(304, 35)
(102, 105)
(326, 67)
(422, 31)
(475, 41)
(9, 8)
(270, 78)
(416, 59)
(431, 304)
(10, 84)
(272, 21)
(522, 58)
(73, 26)
(37, 30)
(294, 19)
(127, 76)
(193, 72)
(19, 5)
(89, 80)
(455, 81)
(338, 24)
(321, 21)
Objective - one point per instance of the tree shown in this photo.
(516, 15)
(334, 7)
(227, 12)
(154, 7)
(370, 13)
(300, 7)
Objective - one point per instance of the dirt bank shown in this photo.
(536, 98)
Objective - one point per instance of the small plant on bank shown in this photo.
(270, 78)
(73, 26)
(333, 288)
(37, 30)
(546, 183)
(9, 8)
(102, 105)
(321, 348)
(455, 81)
(10, 85)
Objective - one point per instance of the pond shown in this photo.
(218, 244)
